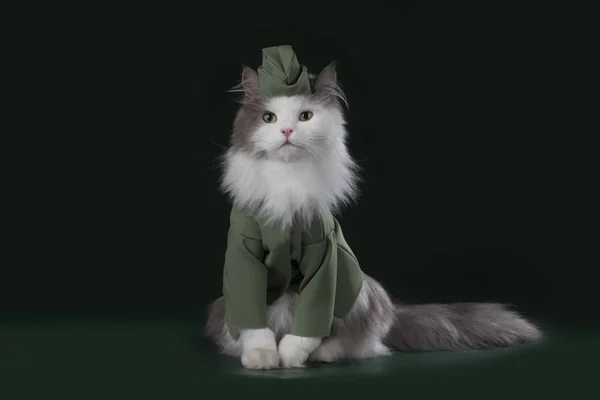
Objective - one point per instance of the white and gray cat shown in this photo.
(317, 172)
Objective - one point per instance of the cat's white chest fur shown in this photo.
(277, 188)
(280, 190)
(290, 185)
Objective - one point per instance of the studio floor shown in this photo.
(167, 358)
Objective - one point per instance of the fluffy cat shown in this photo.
(289, 170)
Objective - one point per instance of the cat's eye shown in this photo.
(269, 117)
(306, 115)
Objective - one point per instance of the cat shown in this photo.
(288, 183)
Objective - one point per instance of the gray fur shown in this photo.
(459, 326)
(216, 320)
(249, 114)
(327, 89)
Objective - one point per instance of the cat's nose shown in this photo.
(287, 132)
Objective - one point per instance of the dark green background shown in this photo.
(110, 211)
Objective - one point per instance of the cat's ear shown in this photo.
(327, 79)
(250, 84)
(326, 84)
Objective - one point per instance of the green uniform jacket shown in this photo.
(262, 263)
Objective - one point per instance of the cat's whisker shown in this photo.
(316, 135)
(316, 152)
(218, 145)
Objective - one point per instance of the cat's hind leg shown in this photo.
(362, 332)
(370, 347)
(335, 350)
(330, 351)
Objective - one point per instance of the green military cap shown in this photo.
(281, 74)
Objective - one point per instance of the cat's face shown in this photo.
(294, 127)
(289, 128)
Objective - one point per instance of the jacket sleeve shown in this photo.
(244, 283)
(316, 300)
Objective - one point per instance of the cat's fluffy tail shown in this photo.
(459, 326)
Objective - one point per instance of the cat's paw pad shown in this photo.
(295, 350)
(260, 359)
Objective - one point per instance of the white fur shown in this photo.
(281, 314)
(330, 351)
(259, 349)
(317, 175)
(295, 350)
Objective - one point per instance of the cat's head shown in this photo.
(290, 128)
(288, 154)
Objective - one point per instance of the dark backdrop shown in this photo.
(108, 178)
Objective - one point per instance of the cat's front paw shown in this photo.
(259, 349)
(294, 350)
(260, 359)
